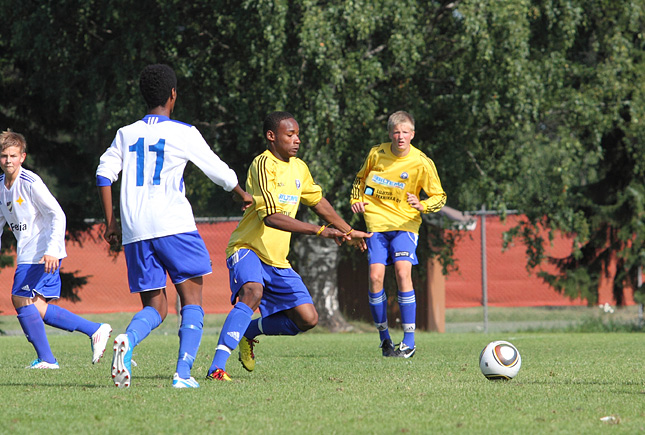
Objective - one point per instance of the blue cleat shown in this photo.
(178, 382)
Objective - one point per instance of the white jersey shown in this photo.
(34, 216)
(152, 153)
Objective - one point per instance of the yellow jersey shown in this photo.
(276, 187)
(383, 183)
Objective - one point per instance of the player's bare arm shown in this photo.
(112, 232)
(353, 237)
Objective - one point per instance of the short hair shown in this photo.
(399, 117)
(156, 83)
(12, 139)
(273, 120)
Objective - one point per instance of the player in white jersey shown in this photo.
(38, 223)
(159, 234)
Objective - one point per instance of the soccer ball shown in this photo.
(500, 360)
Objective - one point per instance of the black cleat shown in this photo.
(388, 348)
(404, 351)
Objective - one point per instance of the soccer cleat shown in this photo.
(121, 363)
(40, 364)
(99, 341)
(404, 351)
(218, 375)
(387, 347)
(178, 382)
(247, 357)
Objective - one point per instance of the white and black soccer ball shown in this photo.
(500, 360)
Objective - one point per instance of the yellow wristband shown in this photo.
(321, 230)
(349, 232)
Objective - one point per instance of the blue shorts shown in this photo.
(283, 287)
(392, 246)
(182, 256)
(31, 279)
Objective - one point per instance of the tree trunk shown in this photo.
(316, 260)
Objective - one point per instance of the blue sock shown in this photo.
(63, 319)
(235, 324)
(378, 308)
(190, 336)
(34, 329)
(142, 324)
(279, 324)
(408, 306)
(254, 329)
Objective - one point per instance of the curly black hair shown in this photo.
(156, 83)
(273, 120)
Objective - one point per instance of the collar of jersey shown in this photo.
(160, 118)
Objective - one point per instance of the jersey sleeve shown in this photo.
(201, 154)
(3, 221)
(358, 187)
(431, 185)
(45, 202)
(111, 162)
(311, 192)
(261, 181)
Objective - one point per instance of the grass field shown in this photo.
(332, 383)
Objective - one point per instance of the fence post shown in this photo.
(484, 271)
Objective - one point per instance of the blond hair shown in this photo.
(12, 139)
(399, 117)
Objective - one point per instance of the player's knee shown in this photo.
(251, 295)
(308, 321)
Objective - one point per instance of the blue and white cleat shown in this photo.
(121, 363)
(40, 364)
(178, 382)
(99, 341)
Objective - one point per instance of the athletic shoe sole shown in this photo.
(120, 372)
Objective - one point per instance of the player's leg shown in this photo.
(186, 259)
(245, 278)
(404, 252)
(34, 329)
(31, 285)
(147, 277)
(378, 258)
(190, 330)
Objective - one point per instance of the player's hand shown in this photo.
(51, 263)
(247, 200)
(333, 233)
(359, 207)
(357, 239)
(112, 234)
(415, 202)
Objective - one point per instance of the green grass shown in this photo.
(331, 383)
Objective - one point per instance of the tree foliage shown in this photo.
(528, 104)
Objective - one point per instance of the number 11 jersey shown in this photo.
(152, 154)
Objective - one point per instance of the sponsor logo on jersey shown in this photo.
(369, 190)
(381, 151)
(18, 227)
(297, 184)
(404, 176)
(287, 199)
(389, 183)
(20, 200)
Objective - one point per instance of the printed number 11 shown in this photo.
(139, 148)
